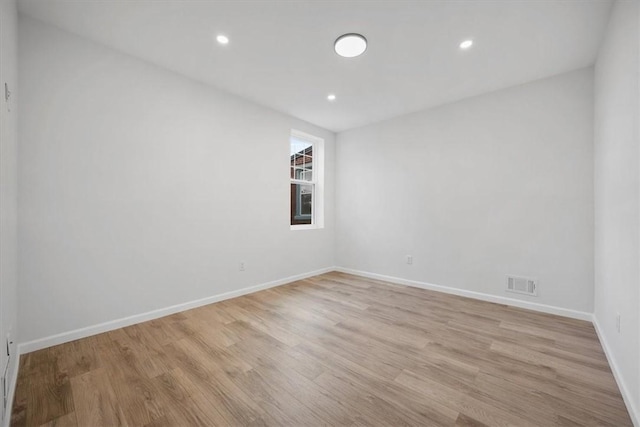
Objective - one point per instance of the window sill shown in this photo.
(306, 227)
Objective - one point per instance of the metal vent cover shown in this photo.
(522, 285)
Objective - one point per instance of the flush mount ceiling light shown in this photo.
(350, 45)
(331, 97)
(222, 39)
(466, 44)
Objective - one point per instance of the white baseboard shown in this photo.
(624, 390)
(12, 391)
(64, 337)
(574, 314)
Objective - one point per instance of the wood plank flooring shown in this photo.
(335, 350)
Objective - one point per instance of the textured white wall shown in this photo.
(493, 185)
(8, 182)
(617, 194)
(141, 189)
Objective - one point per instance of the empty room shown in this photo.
(320, 213)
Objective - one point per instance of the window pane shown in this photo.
(297, 160)
(299, 146)
(301, 157)
(301, 204)
(306, 197)
(307, 161)
(302, 174)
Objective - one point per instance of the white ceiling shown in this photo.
(281, 52)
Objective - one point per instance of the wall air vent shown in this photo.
(522, 285)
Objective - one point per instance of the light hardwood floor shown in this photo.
(336, 350)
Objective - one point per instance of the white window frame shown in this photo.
(317, 201)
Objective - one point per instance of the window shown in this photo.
(306, 157)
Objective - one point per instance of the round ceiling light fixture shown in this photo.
(350, 45)
(222, 39)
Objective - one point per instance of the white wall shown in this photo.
(8, 184)
(617, 197)
(493, 185)
(140, 189)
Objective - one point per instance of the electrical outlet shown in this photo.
(242, 266)
(409, 259)
(618, 322)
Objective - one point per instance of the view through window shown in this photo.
(302, 181)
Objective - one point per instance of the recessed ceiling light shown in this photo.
(466, 44)
(331, 97)
(350, 45)
(222, 39)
